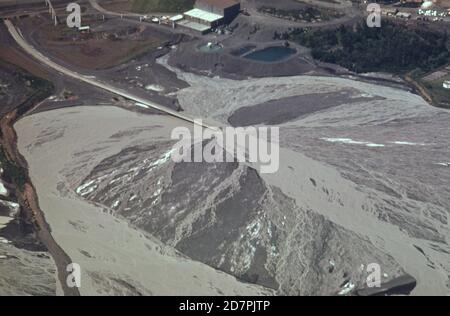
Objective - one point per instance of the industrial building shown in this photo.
(208, 14)
(228, 9)
(203, 17)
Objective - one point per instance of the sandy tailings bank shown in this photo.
(363, 179)
(95, 167)
(370, 158)
(115, 258)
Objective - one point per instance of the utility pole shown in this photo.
(51, 11)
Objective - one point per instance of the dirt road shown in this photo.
(93, 81)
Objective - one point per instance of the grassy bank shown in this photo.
(12, 172)
(439, 95)
(38, 89)
(393, 48)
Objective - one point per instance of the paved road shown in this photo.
(17, 36)
(99, 8)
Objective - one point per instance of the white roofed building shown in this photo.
(208, 14)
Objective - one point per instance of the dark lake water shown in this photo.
(243, 50)
(271, 54)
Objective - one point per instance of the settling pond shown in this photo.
(271, 54)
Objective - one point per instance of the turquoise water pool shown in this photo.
(271, 54)
(210, 48)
